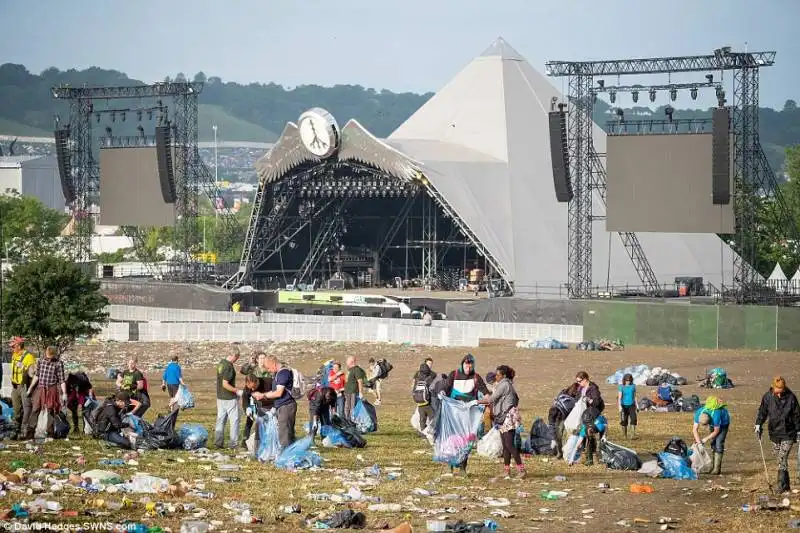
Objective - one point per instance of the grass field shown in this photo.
(709, 504)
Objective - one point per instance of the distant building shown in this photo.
(32, 176)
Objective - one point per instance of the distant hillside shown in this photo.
(9, 127)
(257, 111)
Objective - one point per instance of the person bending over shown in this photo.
(320, 404)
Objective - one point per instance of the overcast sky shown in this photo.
(402, 45)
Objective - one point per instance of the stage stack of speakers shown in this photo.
(721, 156)
(559, 154)
(61, 136)
(165, 171)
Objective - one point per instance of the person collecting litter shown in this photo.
(320, 404)
(626, 402)
(713, 414)
(133, 381)
(21, 376)
(336, 381)
(172, 378)
(108, 421)
(354, 386)
(421, 392)
(594, 408)
(561, 408)
(79, 391)
(227, 400)
(465, 385)
(45, 387)
(780, 410)
(285, 405)
(504, 401)
(254, 383)
(254, 367)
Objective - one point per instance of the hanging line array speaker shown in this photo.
(559, 154)
(165, 171)
(720, 156)
(61, 136)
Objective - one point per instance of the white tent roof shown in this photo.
(777, 273)
(484, 142)
(796, 276)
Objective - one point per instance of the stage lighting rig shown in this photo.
(652, 95)
(673, 94)
(635, 96)
(668, 111)
(612, 95)
(693, 93)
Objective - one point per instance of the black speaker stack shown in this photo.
(559, 154)
(165, 170)
(61, 136)
(721, 156)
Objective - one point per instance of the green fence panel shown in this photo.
(760, 324)
(611, 320)
(702, 326)
(789, 329)
(662, 324)
(732, 334)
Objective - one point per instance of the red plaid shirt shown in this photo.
(50, 372)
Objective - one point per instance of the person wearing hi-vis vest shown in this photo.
(21, 362)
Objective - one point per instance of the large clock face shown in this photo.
(319, 132)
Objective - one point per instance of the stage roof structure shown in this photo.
(483, 142)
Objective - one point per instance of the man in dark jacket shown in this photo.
(780, 409)
(594, 408)
(109, 423)
(254, 383)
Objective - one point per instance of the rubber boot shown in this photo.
(588, 458)
(625, 432)
(717, 469)
(633, 432)
(783, 482)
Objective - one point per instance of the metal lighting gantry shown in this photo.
(190, 173)
(751, 171)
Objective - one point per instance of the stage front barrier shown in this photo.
(157, 325)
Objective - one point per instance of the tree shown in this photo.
(52, 302)
(790, 105)
(200, 77)
(180, 77)
(30, 228)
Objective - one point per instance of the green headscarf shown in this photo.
(713, 403)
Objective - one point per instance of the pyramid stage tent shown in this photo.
(483, 142)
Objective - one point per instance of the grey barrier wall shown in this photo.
(162, 294)
(188, 325)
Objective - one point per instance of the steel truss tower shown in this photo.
(752, 175)
(190, 173)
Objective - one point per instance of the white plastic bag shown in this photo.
(41, 424)
(701, 460)
(415, 420)
(573, 420)
(491, 445)
(570, 450)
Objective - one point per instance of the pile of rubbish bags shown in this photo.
(644, 375)
(717, 378)
(602, 345)
(365, 416)
(193, 436)
(341, 434)
(548, 343)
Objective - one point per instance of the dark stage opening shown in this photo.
(359, 227)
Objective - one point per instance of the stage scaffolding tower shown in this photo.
(751, 173)
(190, 173)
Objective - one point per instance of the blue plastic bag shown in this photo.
(365, 416)
(456, 430)
(6, 411)
(675, 466)
(193, 436)
(334, 438)
(298, 456)
(269, 447)
(133, 422)
(184, 398)
(326, 372)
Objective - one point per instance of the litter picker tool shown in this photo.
(764, 460)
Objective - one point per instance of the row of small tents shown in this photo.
(781, 283)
